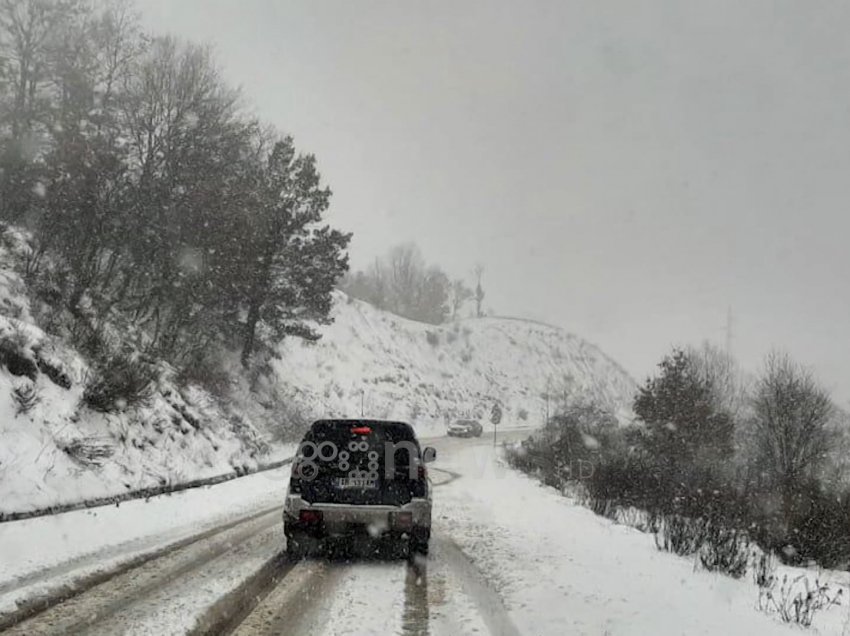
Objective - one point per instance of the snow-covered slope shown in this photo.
(55, 450)
(399, 368)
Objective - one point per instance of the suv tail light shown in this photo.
(310, 516)
(401, 520)
(423, 471)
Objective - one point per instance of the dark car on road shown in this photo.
(465, 428)
(359, 478)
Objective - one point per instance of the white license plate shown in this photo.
(352, 482)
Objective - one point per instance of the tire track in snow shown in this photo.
(65, 590)
(490, 606)
(361, 597)
(416, 617)
(281, 608)
(96, 606)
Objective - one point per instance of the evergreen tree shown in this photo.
(684, 427)
(294, 262)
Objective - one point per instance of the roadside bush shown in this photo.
(797, 600)
(88, 451)
(819, 532)
(26, 396)
(725, 550)
(15, 356)
(118, 383)
(764, 569)
(680, 535)
(209, 373)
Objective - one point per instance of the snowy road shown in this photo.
(508, 557)
(231, 576)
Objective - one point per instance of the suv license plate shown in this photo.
(352, 482)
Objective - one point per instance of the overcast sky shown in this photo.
(627, 170)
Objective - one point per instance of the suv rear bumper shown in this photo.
(343, 519)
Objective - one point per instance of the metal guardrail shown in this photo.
(143, 493)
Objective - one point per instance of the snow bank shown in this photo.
(42, 553)
(562, 569)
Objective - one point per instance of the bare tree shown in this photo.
(479, 291)
(721, 374)
(379, 282)
(28, 29)
(791, 424)
(460, 293)
(403, 284)
(405, 271)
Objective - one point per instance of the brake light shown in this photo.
(423, 471)
(402, 520)
(361, 430)
(310, 516)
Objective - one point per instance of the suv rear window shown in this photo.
(344, 449)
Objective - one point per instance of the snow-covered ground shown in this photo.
(37, 554)
(561, 569)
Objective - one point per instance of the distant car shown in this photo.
(359, 477)
(465, 428)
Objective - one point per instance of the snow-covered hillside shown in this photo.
(430, 374)
(56, 450)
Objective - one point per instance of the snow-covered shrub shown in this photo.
(26, 396)
(725, 550)
(256, 446)
(636, 518)
(16, 356)
(817, 528)
(797, 600)
(88, 451)
(764, 569)
(433, 338)
(52, 366)
(681, 535)
(207, 372)
(118, 383)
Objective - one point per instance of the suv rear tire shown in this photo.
(419, 539)
(418, 547)
(297, 547)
